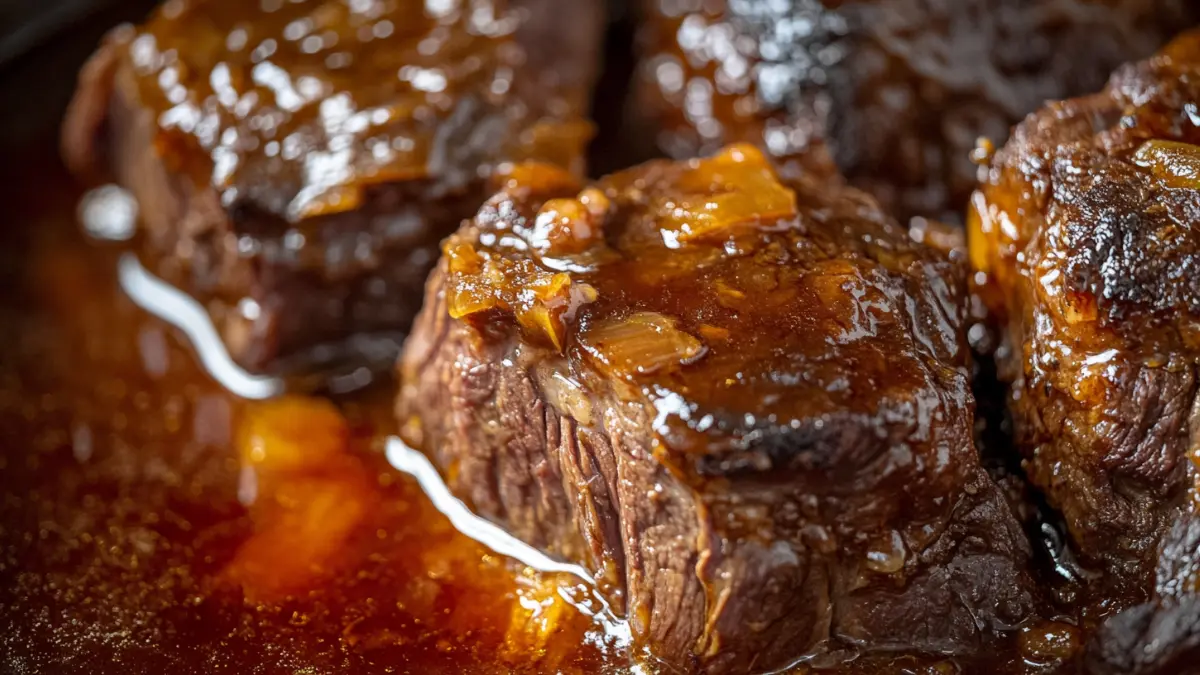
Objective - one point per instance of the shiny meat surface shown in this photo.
(706, 283)
(1087, 249)
(306, 157)
(627, 374)
(896, 91)
(297, 109)
(741, 402)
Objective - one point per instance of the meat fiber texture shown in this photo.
(741, 402)
(296, 164)
(1086, 243)
(896, 91)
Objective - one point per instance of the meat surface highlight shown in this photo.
(741, 402)
(897, 91)
(1086, 238)
(297, 163)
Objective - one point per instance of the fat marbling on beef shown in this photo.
(897, 90)
(1086, 240)
(297, 164)
(742, 403)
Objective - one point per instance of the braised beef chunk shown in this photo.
(297, 163)
(898, 90)
(1085, 237)
(743, 403)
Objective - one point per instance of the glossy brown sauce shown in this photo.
(152, 522)
(325, 100)
(702, 285)
(148, 525)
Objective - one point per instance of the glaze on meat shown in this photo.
(736, 389)
(896, 91)
(1087, 249)
(741, 402)
(297, 163)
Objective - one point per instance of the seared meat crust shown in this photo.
(1085, 234)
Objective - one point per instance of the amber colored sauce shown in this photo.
(152, 522)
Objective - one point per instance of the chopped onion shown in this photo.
(641, 344)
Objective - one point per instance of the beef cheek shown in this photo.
(896, 91)
(741, 402)
(1085, 241)
(296, 164)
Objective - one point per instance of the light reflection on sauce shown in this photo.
(126, 506)
(412, 462)
(181, 310)
(172, 305)
(329, 373)
(108, 212)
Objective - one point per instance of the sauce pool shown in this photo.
(154, 522)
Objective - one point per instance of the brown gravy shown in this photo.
(138, 535)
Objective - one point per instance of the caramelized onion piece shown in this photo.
(1176, 164)
(542, 301)
(644, 343)
(1049, 642)
(980, 228)
(736, 187)
(535, 176)
(566, 395)
(887, 555)
(496, 272)
(714, 333)
(567, 227)
(541, 627)
(306, 492)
